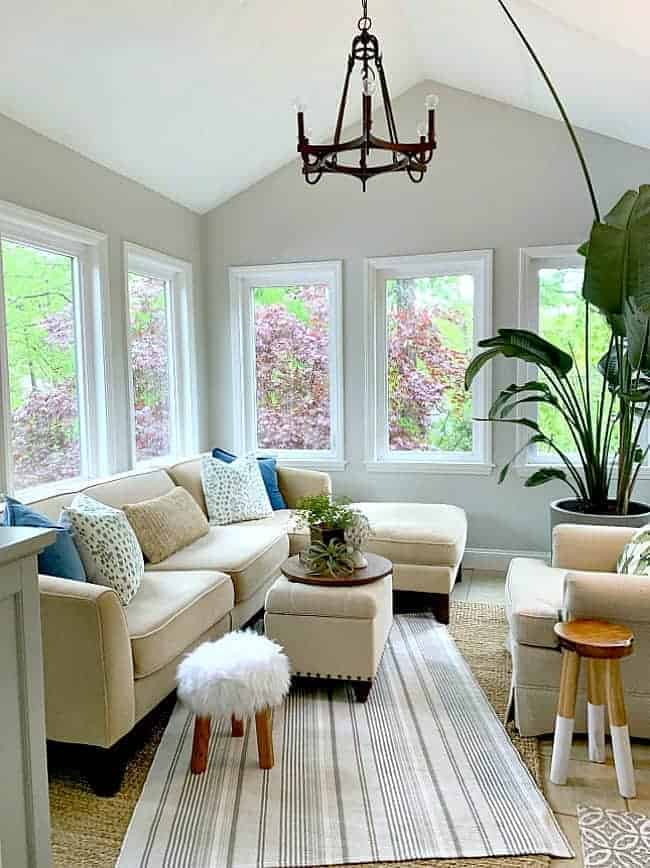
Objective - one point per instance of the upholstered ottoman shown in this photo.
(425, 542)
(331, 632)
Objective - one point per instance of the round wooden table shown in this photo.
(378, 568)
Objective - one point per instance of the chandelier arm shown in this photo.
(560, 106)
(388, 107)
(401, 147)
(344, 99)
(327, 150)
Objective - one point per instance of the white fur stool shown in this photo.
(237, 676)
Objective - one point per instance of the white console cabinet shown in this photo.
(24, 804)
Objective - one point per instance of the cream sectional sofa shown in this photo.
(107, 666)
(581, 582)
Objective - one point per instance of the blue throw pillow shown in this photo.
(59, 559)
(269, 473)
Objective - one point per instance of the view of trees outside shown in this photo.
(149, 338)
(430, 341)
(43, 385)
(562, 314)
(292, 367)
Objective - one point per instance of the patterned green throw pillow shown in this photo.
(634, 560)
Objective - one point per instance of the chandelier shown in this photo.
(409, 157)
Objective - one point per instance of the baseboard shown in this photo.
(497, 560)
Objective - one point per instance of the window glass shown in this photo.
(291, 336)
(150, 365)
(39, 299)
(429, 322)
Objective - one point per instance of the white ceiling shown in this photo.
(193, 98)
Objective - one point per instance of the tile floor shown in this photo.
(588, 783)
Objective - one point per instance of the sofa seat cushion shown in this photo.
(534, 593)
(170, 611)
(249, 552)
(284, 520)
(431, 534)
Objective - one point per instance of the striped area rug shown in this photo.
(423, 770)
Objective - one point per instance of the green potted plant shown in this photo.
(331, 559)
(606, 423)
(327, 517)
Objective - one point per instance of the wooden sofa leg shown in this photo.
(440, 607)
(459, 574)
(361, 690)
(106, 769)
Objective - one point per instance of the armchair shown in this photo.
(581, 582)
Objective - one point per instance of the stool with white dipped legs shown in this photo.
(603, 645)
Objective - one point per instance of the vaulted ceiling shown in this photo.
(193, 98)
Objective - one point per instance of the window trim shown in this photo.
(479, 263)
(558, 256)
(241, 280)
(531, 260)
(178, 275)
(92, 336)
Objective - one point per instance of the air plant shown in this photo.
(334, 559)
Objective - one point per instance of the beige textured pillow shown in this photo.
(166, 524)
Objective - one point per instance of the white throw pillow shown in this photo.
(234, 492)
(107, 544)
(634, 560)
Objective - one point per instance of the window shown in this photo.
(159, 294)
(286, 323)
(51, 351)
(551, 303)
(425, 315)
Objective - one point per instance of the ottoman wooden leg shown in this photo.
(361, 690)
(565, 719)
(237, 727)
(264, 728)
(619, 731)
(596, 710)
(200, 745)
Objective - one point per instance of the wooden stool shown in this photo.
(603, 645)
(238, 676)
(264, 729)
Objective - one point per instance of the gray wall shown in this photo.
(503, 179)
(37, 173)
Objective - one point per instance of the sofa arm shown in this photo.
(296, 483)
(88, 664)
(589, 547)
(607, 597)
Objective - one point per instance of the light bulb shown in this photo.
(298, 105)
(423, 130)
(431, 101)
(368, 83)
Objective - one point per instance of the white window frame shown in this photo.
(92, 341)
(379, 458)
(531, 261)
(178, 277)
(242, 280)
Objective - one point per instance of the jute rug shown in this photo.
(88, 832)
(614, 839)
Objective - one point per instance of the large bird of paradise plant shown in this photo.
(606, 427)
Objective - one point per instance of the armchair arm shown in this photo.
(295, 483)
(589, 547)
(607, 596)
(89, 696)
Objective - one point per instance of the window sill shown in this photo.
(447, 468)
(325, 464)
(524, 471)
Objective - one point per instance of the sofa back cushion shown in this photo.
(131, 488)
(188, 474)
(166, 524)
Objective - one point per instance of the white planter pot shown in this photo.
(563, 512)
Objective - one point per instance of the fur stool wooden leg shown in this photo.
(236, 677)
